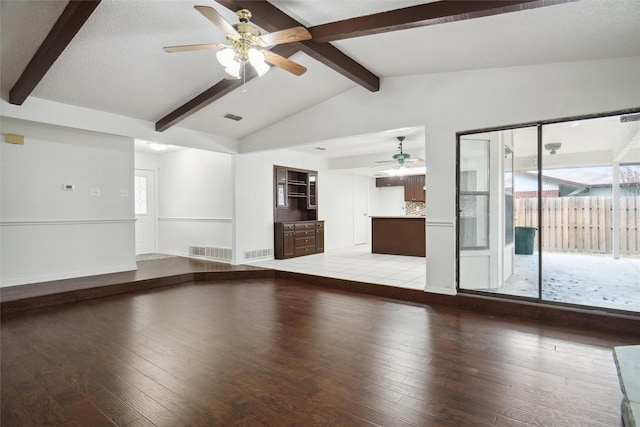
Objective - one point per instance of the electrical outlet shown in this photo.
(124, 193)
(95, 192)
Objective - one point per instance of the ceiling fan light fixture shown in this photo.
(226, 57)
(233, 69)
(256, 58)
(552, 147)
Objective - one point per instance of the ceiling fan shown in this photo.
(247, 44)
(401, 159)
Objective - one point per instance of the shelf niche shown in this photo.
(295, 194)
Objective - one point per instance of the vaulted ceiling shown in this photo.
(107, 55)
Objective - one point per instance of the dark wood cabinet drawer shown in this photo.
(305, 233)
(305, 250)
(320, 225)
(288, 227)
(305, 226)
(304, 241)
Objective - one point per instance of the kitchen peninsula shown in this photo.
(398, 235)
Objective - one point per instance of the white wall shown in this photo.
(447, 103)
(195, 200)
(49, 233)
(147, 161)
(386, 201)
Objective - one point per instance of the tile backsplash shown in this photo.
(415, 208)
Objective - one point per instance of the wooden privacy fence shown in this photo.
(581, 224)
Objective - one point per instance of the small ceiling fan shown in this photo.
(247, 44)
(401, 158)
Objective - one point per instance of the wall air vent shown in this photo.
(222, 254)
(232, 117)
(260, 253)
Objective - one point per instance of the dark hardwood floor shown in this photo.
(278, 352)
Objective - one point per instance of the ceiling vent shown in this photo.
(232, 117)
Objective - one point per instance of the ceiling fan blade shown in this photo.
(289, 35)
(190, 47)
(212, 15)
(284, 63)
(385, 161)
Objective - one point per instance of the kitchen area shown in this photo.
(401, 232)
(389, 212)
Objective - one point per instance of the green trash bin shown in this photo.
(524, 240)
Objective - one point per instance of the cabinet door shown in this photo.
(410, 188)
(319, 237)
(382, 182)
(420, 196)
(414, 188)
(289, 247)
(319, 241)
(281, 196)
(312, 190)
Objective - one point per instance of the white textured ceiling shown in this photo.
(116, 62)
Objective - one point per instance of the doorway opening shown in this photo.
(144, 199)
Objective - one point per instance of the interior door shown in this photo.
(360, 209)
(144, 189)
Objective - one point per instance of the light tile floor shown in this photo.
(359, 264)
(598, 281)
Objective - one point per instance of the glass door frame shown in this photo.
(539, 126)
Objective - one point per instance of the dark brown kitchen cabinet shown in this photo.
(389, 181)
(414, 188)
(294, 239)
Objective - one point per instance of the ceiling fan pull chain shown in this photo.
(244, 78)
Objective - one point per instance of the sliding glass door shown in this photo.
(551, 212)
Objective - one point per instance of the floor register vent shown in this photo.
(260, 253)
(223, 254)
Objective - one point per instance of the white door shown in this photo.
(145, 202)
(360, 207)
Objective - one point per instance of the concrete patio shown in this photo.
(583, 279)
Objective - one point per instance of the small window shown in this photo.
(140, 186)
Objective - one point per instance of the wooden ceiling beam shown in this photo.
(422, 15)
(269, 17)
(64, 30)
(214, 93)
(273, 19)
